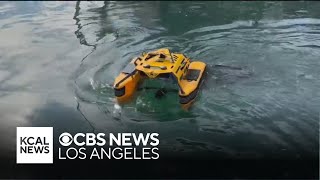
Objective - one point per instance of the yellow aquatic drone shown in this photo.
(161, 64)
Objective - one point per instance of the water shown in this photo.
(58, 61)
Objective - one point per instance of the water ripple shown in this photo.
(261, 77)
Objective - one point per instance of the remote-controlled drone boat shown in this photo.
(164, 65)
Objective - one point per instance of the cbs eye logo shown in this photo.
(65, 139)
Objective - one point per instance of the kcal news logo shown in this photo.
(34, 145)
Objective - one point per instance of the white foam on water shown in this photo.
(116, 110)
(235, 24)
(92, 84)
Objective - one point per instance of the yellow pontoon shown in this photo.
(161, 64)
